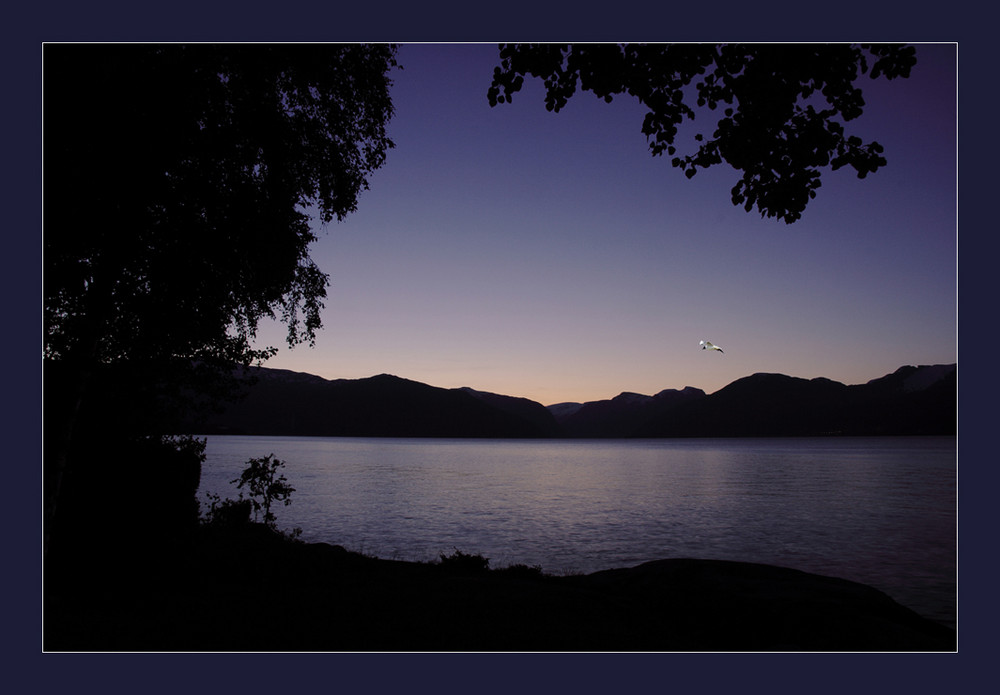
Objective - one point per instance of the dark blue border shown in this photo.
(463, 21)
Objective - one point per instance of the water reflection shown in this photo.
(879, 511)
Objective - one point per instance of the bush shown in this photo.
(265, 486)
(463, 563)
(228, 512)
(128, 490)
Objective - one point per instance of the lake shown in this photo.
(880, 510)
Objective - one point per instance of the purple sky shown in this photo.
(551, 256)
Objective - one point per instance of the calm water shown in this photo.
(881, 511)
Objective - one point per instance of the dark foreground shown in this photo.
(254, 591)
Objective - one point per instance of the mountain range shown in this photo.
(913, 400)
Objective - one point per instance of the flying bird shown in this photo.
(705, 345)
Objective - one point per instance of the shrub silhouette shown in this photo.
(265, 486)
(228, 512)
(464, 563)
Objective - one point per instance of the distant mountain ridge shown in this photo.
(621, 416)
(910, 401)
(281, 402)
(913, 400)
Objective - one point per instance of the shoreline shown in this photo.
(252, 589)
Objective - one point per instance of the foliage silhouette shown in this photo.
(784, 106)
(228, 512)
(178, 186)
(265, 486)
(464, 563)
(135, 493)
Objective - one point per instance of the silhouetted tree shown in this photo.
(265, 485)
(179, 182)
(783, 106)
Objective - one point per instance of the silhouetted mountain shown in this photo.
(280, 402)
(622, 415)
(561, 411)
(910, 401)
(523, 408)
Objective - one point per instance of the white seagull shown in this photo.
(705, 345)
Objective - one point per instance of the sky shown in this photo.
(550, 256)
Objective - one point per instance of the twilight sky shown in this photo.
(551, 256)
